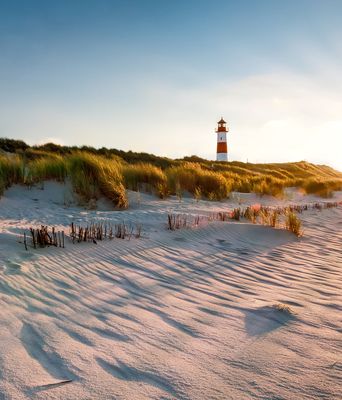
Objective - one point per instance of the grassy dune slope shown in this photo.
(108, 172)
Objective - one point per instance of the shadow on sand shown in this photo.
(266, 319)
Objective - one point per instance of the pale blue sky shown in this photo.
(156, 75)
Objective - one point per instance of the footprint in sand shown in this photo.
(128, 373)
(12, 268)
(179, 239)
(38, 348)
(17, 264)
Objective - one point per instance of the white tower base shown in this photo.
(221, 157)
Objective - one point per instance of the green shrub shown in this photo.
(12, 145)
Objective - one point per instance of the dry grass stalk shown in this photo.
(270, 216)
(293, 224)
(42, 237)
(284, 308)
(179, 221)
(100, 231)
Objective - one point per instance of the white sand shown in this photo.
(173, 315)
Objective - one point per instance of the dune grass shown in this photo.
(198, 181)
(11, 171)
(108, 172)
(260, 184)
(293, 223)
(50, 167)
(145, 177)
(93, 175)
(323, 188)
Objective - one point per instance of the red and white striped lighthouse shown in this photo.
(222, 151)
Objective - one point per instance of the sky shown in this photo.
(156, 76)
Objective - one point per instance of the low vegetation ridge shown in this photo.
(108, 172)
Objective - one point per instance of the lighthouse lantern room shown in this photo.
(222, 151)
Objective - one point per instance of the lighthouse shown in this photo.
(222, 151)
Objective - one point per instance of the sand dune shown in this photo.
(187, 314)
